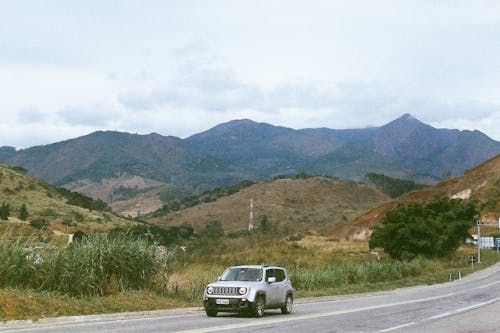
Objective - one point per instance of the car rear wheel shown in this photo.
(259, 305)
(288, 307)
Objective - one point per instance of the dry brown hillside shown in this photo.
(294, 204)
(481, 183)
(44, 202)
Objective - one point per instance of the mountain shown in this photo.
(102, 164)
(262, 148)
(291, 205)
(405, 147)
(101, 156)
(410, 142)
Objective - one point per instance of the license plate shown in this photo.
(222, 301)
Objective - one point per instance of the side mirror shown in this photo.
(271, 279)
(218, 279)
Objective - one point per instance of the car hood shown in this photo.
(232, 283)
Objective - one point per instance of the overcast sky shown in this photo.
(68, 68)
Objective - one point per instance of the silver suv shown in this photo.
(249, 288)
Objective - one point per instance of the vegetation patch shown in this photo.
(392, 186)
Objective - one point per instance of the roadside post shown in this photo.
(479, 224)
(471, 260)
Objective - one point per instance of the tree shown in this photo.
(23, 212)
(4, 211)
(432, 230)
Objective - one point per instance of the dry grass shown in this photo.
(44, 202)
(23, 304)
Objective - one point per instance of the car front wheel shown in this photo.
(259, 306)
(288, 307)
(211, 313)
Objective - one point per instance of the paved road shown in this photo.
(469, 305)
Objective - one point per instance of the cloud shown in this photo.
(30, 114)
(201, 87)
(214, 89)
(91, 116)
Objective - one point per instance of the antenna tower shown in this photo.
(250, 222)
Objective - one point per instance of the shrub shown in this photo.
(39, 223)
(23, 212)
(4, 211)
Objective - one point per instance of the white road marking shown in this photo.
(309, 316)
(489, 285)
(398, 327)
(472, 307)
(446, 314)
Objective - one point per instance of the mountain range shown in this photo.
(244, 149)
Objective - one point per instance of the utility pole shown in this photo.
(250, 222)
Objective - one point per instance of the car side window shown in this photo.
(280, 275)
(269, 273)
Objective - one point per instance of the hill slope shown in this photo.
(45, 202)
(292, 204)
(481, 183)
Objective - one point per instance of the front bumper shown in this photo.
(234, 304)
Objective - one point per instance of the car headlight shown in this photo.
(210, 290)
(242, 291)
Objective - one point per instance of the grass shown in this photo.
(97, 265)
(105, 275)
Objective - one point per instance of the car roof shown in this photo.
(256, 266)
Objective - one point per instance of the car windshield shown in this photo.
(242, 274)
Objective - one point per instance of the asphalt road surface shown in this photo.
(468, 305)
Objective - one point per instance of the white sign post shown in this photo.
(479, 223)
(471, 260)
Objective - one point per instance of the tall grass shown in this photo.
(17, 265)
(348, 273)
(95, 266)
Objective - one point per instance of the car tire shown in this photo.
(288, 307)
(211, 313)
(259, 306)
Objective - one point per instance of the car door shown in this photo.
(281, 287)
(272, 288)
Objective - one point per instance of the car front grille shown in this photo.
(226, 291)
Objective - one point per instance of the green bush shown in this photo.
(23, 213)
(39, 223)
(433, 230)
(4, 211)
